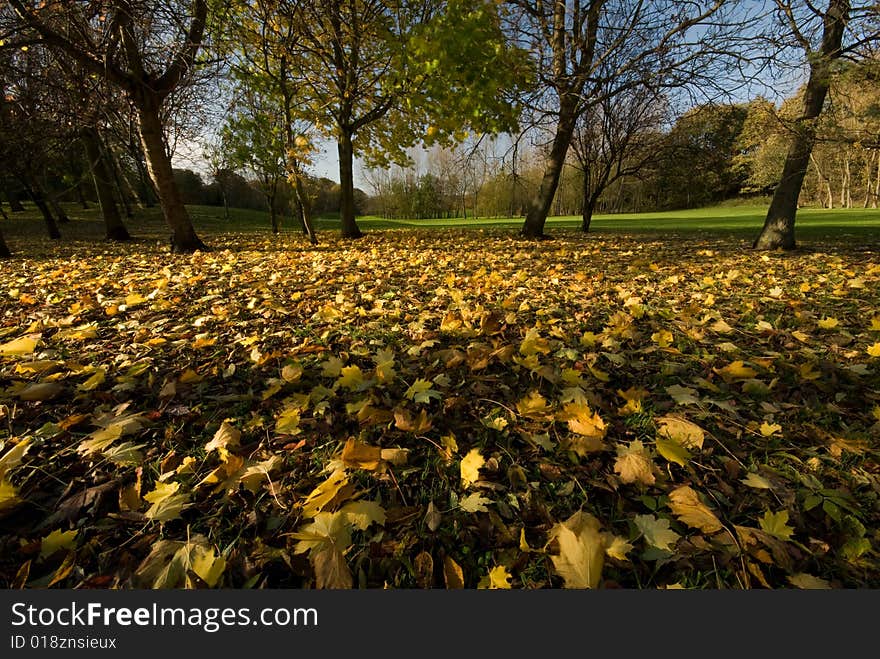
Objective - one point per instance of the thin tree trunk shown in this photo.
(345, 148)
(869, 168)
(183, 235)
(114, 229)
(124, 190)
(823, 180)
(876, 184)
(539, 206)
(35, 192)
(5, 253)
(304, 207)
(57, 209)
(778, 230)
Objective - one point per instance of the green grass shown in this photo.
(734, 220)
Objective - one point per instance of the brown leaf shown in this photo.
(423, 566)
(452, 574)
(331, 570)
(686, 505)
(359, 455)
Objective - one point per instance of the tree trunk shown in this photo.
(114, 229)
(346, 183)
(125, 192)
(35, 192)
(3, 213)
(183, 236)
(303, 206)
(147, 192)
(539, 205)
(778, 230)
(4, 248)
(587, 205)
(57, 209)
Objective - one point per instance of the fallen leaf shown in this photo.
(681, 431)
(808, 582)
(21, 346)
(634, 464)
(687, 507)
(581, 554)
(775, 525)
(656, 531)
(452, 574)
(470, 467)
(474, 503)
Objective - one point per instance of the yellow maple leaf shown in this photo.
(775, 524)
(686, 506)
(673, 451)
(57, 540)
(361, 514)
(205, 562)
(189, 376)
(769, 429)
(13, 457)
(736, 370)
(617, 547)
(828, 322)
(874, 350)
(324, 493)
(470, 467)
(757, 481)
(497, 578)
(533, 343)
(634, 464)
(359, 455)
(534, 406)
(351, 377)
(21, 346)
(474, 503)
(681, 431)
(662, 338)
(581, 554)
(166, 503)
(656, 531)
(287, 422)
(326, 529)
(225, 440)
(583, 421)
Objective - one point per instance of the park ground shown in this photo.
(651, 405)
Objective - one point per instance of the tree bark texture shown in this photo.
(778, 230)
(114, 229)
(183, 236)
(350, 228)
(539, 206)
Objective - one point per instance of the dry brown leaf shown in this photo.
(634, 463)
(581, 551)
(452, 574)
(681, 431)
(686, 505)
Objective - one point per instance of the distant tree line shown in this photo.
(234, 190)
(526, 108)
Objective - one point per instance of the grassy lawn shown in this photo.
(652, 406)
(736, 221)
